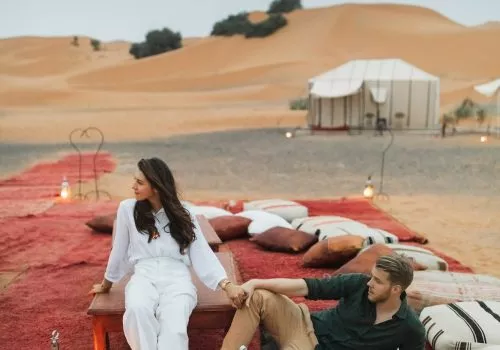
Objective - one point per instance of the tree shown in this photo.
(233, 24)
(157, 42)
(284, 6)
(96, 44)
(267, 27)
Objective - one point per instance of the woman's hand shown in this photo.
(236, 294)
(98, 289)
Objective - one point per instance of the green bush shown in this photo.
(299, 104)
(233, 24)
(96, 44)
(267, 27)
(284, 6)
(157, 42)
(465, 110)
(239, 24)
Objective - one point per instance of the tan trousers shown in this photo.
(289, 323)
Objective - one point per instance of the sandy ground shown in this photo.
(193, 107)
(445, 189)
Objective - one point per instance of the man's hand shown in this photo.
(236, 294)
(98, 289)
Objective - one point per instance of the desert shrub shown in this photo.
(299, 104)
(284, 6)
(233, 24)
(157, 42)
(267, 27)
(96, 44)
(481, 115)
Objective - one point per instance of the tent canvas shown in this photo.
(346, 95)
(489, 90)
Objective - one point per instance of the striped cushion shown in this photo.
(422, 256)
(288, 210)
(311, 224)
(439, 287)
(336, 226)
(463, 325)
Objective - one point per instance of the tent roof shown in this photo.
(489, 88)
(377, 69)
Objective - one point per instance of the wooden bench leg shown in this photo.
(101, 341)
(108, 347)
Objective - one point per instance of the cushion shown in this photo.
(364, 261)
(309, 224)
(441, 287)
(332, 252)
(208, 211)
(230, 227)
(377, 235)
(262, 221)
(187, 204)
(420, 255)
(102, 223)
(283, 239)
(371, 235)
(462, 325)
(286, 209)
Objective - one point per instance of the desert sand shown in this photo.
(49, 87)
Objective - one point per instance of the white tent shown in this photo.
(345, 96)
(488, 90)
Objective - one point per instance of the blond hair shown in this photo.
(398, 267)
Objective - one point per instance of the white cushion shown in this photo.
(462, 325)
(286, 209)
(420, 255)
(262, 221)
(208, 211)
(187, 204)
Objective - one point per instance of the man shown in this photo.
(372, 312)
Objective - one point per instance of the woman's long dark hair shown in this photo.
(181, 226)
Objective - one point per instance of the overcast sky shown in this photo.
(131, 19)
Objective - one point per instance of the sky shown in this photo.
(130, 20)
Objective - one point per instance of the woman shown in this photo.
(157, 236)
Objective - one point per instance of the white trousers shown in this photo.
(159, 299)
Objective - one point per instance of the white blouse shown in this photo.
(130, 246)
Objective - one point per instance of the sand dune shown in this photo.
(214, 72)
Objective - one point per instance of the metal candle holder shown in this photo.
(54, 340)
(85, 132)
(381, 188)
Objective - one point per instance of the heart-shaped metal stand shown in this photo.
(85, 133)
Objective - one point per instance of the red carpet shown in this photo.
(62, 258)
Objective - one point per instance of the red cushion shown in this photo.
(282, 239)
(230, 227)
(102, 223)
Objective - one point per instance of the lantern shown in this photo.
(65, 189)
(369, 190)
